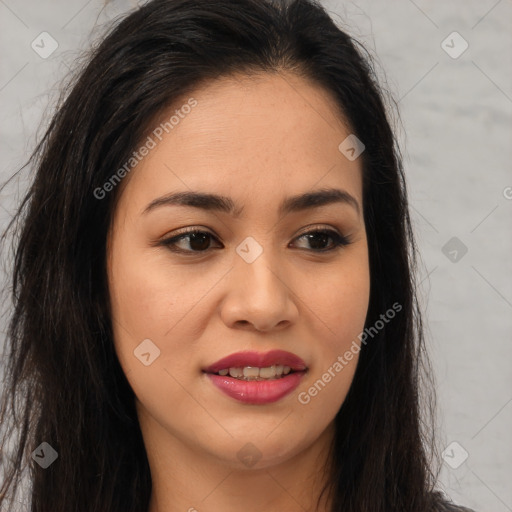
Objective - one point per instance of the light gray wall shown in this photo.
(457, 139)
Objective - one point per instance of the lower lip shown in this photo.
(257, 392)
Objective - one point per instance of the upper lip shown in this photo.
(258, 359)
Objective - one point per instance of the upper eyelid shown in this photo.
(305, 231)
(341, 240)
(334, 233)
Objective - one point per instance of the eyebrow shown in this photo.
(214, 202)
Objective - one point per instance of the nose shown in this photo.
(259, 295)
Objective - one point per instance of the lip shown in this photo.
(257, 392)
(258, 359)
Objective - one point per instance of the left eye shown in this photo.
(199, 240)
(321, 236)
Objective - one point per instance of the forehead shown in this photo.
(267, 134)
(242, 112)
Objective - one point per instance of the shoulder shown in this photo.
(451, 507)
(445, 505)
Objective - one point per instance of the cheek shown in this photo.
(339, 300)
(339, 305)
(153, 299)
(146, 310)
(141, 302)
(148, 293)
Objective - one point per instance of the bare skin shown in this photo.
(258, 141)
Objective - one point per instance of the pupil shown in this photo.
(196, 237)
(323, 237)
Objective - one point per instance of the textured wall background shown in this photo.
(456, 109)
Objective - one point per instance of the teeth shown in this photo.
(251, 371)
(236, 372)
(267, 373)
(255, 373)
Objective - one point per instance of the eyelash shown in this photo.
(339, 240)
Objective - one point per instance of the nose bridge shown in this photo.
(256, 264)
(259, 292)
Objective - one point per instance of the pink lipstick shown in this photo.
(257, 378)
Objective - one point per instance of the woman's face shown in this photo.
(251, 281)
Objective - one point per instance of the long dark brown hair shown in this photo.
(64, 384)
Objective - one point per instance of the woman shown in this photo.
(214, 277)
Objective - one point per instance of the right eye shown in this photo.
(197, 240)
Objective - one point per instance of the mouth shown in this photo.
(255, 378)
(250, 373)
(250, 366)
